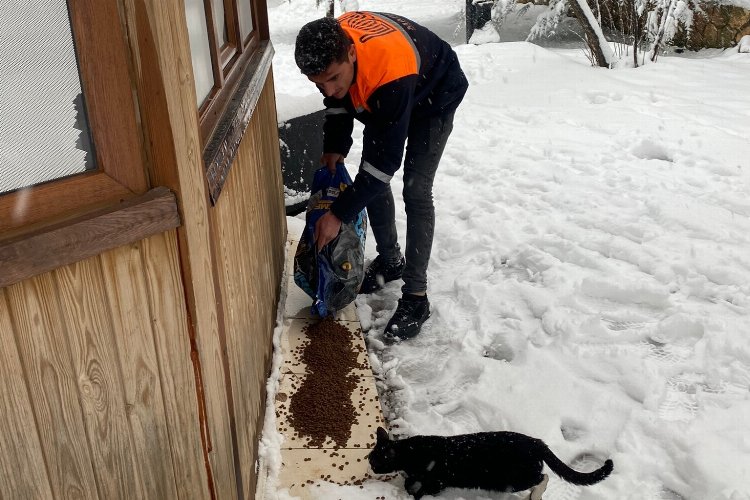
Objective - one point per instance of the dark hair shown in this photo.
(320, 43)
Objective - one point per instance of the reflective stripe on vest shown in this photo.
(385, 52)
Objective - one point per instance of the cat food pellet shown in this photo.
(322, 407)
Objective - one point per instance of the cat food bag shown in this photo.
(332, 276)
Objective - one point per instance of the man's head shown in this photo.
(326, 55)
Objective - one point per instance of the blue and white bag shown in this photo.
(331, 277)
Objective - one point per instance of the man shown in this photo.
(404, 84)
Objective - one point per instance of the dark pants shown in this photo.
(424, 147)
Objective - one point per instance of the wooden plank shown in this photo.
(161, 56)
(268, 171)
(69, 241)
(261, 18)
(271, 210)
(244, 240)
(95, 363)
(32, 205)
(234, 272)
(22, 470)
(272, 165)
(125, 286)
(43, 347)
(100, 38)
(173, 349)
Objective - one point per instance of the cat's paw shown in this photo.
(538, 490)
(414, 487)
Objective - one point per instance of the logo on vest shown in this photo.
(372, 26)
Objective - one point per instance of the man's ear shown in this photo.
(382, 435)
(352, 53)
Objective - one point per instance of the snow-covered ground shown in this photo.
(590, 278)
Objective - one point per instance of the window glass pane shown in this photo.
(44, 132)
(200, 53)
(220, 22)
(246, 17)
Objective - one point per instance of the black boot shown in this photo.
(380, 272)
(412, 311)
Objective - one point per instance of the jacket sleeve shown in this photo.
(337, 127)
(383, 146)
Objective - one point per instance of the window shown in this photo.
(69, 139)
(44, 130)
(223, 36)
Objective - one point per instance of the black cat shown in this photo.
(499, 461)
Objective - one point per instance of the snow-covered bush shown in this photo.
(639, 24)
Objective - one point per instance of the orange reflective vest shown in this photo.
(385, 52)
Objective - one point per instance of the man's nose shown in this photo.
(329, 89)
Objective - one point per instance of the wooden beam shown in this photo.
(33, 205)
(22, 467)
(103, 62)
(261, 18)
(72, 240)
(166, 91)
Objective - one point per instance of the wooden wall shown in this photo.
(141, 372)
(249, 236)
(163, 79)
(98, 398)
(231, 254)
(102, 393)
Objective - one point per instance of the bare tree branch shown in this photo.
(600, 49)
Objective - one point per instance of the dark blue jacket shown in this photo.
(436, 89)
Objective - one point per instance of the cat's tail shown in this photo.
(572, 475)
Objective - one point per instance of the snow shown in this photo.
(292, 197)
(745, 4)
(292, 106)
(590, 275)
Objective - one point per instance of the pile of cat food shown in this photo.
(322, 406)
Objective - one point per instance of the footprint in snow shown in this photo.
(667, 494)
(599, 97)
(619, 326)
(680, 402)
(571, 431)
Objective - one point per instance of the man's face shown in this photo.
(337, 77)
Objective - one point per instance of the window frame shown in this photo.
(103, 65)
(228, 62)
(228, 51)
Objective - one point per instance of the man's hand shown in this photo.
(330, 160)
(326, 230)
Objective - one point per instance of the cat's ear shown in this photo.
(382, 435)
